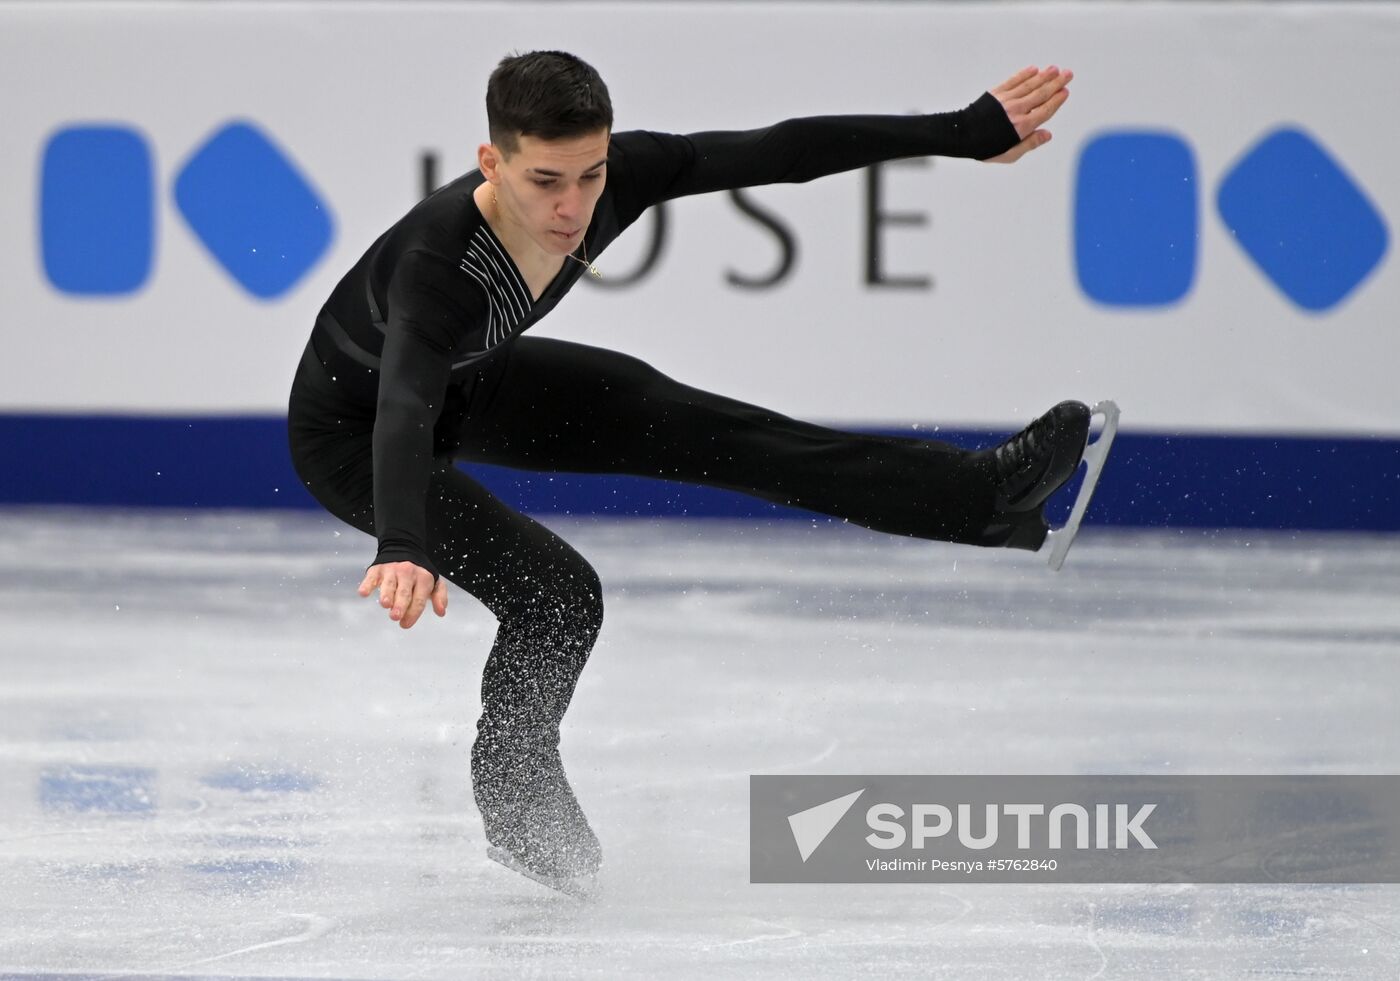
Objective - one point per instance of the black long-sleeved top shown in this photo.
(437, 292)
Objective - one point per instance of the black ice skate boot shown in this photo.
(1029, 467)
(533, 822)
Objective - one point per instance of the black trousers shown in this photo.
(551, 405)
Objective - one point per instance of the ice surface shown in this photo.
(217, 761)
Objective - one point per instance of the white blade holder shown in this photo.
(1095, 453)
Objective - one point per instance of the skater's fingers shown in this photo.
(403, 598)
(416, 606)
(405, 590)
(1026, 84)
(388, 586)
(1039, 90)
(1041, 113)
(1049, 84)
(415, 586)
(425, 592)
(1012, 87)
(370, 580)
(1034, 102)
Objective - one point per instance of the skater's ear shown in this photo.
(489, 158)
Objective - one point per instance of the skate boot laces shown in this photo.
(1041, 457)
(1024, 449)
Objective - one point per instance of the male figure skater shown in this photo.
(417, 360)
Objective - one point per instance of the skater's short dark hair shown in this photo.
(549, 95)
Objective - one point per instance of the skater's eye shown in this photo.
(544, 183)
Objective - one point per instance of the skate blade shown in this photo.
(1095, 454)
(578, 886)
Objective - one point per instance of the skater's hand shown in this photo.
(1030, 98)
(404, 590)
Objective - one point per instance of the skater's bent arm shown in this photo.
(424, 327)
(403, 449)
(1000, 126)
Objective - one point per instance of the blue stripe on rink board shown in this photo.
(1152, 480)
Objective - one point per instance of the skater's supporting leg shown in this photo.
(548, 604)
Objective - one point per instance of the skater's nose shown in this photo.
(569, 205)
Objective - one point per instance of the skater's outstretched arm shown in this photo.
(1001, 126)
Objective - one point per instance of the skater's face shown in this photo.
(550, 187)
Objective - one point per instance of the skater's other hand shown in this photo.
(1030, 98)
(405, 590)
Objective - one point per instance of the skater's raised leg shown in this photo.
(571, 407)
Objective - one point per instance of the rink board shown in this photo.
(1212, 254)
(1155, 480)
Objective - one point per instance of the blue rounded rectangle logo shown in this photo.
(1135, 219)
(97, 210)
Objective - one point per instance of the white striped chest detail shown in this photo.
(507, 297)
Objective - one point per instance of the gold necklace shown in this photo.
(584, 261)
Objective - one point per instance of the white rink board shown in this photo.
(354, 92)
